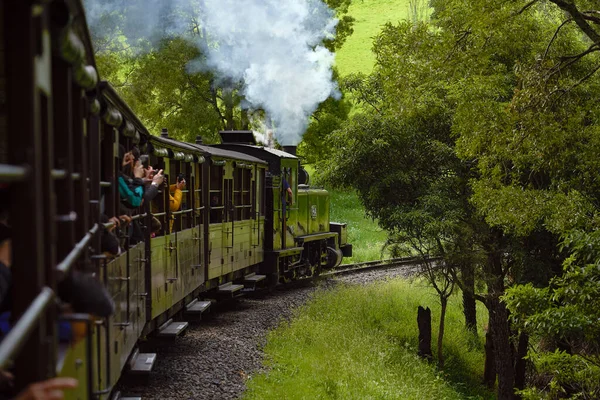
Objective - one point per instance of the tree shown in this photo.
(563, 317)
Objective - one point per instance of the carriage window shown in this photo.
(242, 200)
(246, 199)
(197, 187)
(216, 193)
(158, 206)
(261, 191)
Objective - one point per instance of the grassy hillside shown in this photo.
(366, 236)
(370, 15)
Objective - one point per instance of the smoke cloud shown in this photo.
(271, 47)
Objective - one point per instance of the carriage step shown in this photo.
(141, 363)
(118, 396)
(253, 278)
(230, 289)
(197, 306)
(172, 329)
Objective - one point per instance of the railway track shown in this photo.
(346, 269)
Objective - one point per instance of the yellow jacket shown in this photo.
(175, 202)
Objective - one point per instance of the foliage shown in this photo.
(338, 347)
(565, 316)
(164, 94)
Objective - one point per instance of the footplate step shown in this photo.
(230, 289)
(197, 306)
(253, 278)
(118, 396)
(141, 363)
(171, 329)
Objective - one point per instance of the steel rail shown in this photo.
(372, 265)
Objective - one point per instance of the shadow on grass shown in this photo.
(459, 372)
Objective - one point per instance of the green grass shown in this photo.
(361, 343)
(366, 236)
(370, 16)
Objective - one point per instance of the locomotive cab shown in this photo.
(300, 241)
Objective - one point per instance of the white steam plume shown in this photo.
(273, 47)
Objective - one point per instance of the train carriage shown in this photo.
(61, 130)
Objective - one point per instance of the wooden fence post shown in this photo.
(424, 322)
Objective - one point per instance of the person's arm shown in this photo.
(175, 202)
(133, 197)
(152, 189)
(48, 389)
(150, 193)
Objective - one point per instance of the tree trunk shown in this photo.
(424, 323)
(489, 369)
(520, 362)
(469, 305)
(444, 301)
(500, 328)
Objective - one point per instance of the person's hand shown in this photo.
(116, 223)
(138, 170)
(158, 178)
(6, 380)
(128, 159)
(181, 184)
(125, 218)
(51, 389)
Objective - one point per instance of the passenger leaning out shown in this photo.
(175, 196)
(131, 183)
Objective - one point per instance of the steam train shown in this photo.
(60, 130)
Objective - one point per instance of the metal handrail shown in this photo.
(18, 335)
(66, 264)
(12, 173)
(58, 173)
(109, 225)
(182, 212)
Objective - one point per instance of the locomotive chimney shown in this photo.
(198, 139)
(290, 149)
(164, 133)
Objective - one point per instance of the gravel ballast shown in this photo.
(216, 356)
